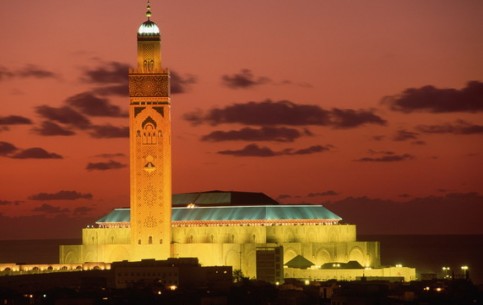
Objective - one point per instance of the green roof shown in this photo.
(235, 213)
(230, 206)
(299, 262)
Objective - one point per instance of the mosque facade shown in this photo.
(220, 228)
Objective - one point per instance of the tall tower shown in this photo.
(150, 147)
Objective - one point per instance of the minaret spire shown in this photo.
(148, 10)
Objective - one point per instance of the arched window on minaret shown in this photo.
(149, 131)
(150, 240)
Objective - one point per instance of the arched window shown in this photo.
(149, 131)
(150, 240)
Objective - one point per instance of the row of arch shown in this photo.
(39, 268)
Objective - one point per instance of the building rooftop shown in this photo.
(226, 208)
(222, 198)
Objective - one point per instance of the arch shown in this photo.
(70, 257)
(150, 240)
(322, 256)
(289, 235)
(288, 254)
(356, 254)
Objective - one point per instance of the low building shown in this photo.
(170, 274)
(270, 264)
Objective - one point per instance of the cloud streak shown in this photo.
(253, 150)
(243, 80)
(35, 153)
(61, 195)
(436, 100)
(181, 84)
(89, 104)
(10, 202)
(387, 157)
(270, 113)
(28, 71)
(405, 135)
(277, 134)
(48, 128)
(15, 120)
(459, 128)
(64, 115)
(103, 166)
(11, 151)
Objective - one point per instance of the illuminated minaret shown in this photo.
(150, 147)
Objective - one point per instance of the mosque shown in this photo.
(220, 228)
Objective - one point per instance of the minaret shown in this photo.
(150, 147)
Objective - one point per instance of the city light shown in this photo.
(446, 272)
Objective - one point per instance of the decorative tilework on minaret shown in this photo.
(150, 146)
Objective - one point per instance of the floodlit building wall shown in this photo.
(405, 273)
(307, 233)
(106, 236)
(230, 245)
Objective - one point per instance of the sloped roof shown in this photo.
(119, 215)
(261, 212)
(299, 262)
(219, 207)
(222, 198)
(286, 213)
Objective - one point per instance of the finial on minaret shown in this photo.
(148, 10)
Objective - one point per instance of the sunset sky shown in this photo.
(371, 108)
